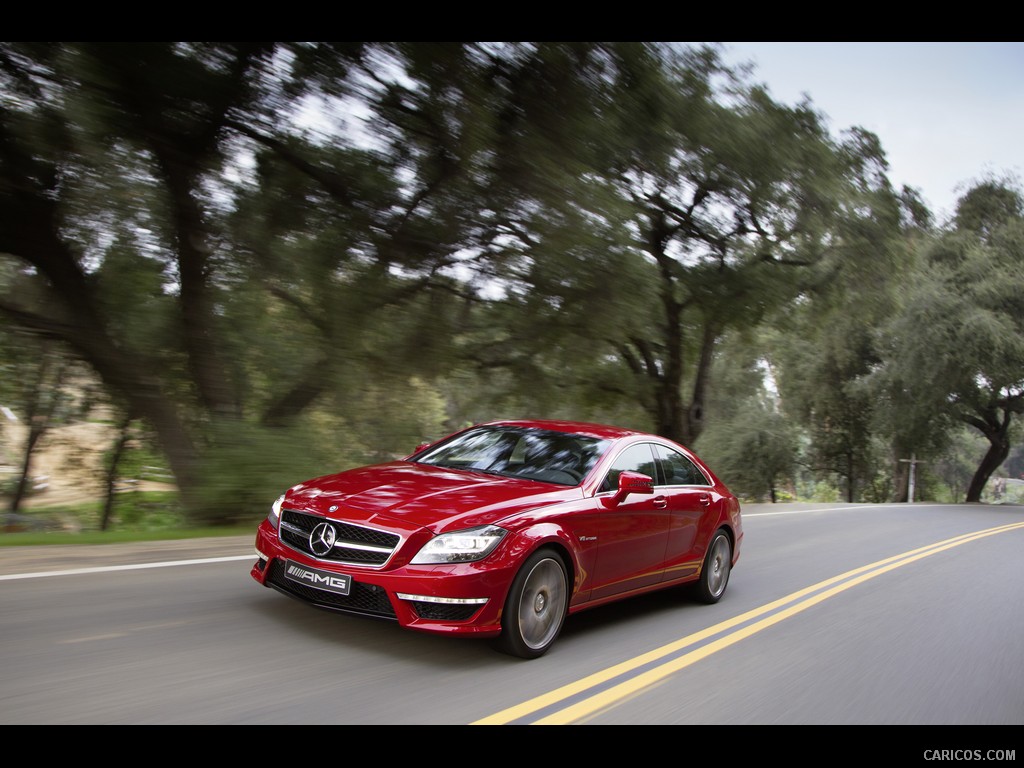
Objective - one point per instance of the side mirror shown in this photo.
(633, 482)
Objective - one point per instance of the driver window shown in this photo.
(636, 458)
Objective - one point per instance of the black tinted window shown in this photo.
(636, 458)
(678, 469)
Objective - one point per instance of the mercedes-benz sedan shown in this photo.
(504, 529)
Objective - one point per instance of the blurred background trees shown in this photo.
(282, 259)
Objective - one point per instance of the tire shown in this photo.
(536, 606)
(714, 573)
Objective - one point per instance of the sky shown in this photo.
(947, 114)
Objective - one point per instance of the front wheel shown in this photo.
(536, 606)
(714, 574)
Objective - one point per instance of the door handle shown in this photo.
(660, 502)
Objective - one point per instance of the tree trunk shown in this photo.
(21, 490)
(111, 480)
(901, 474)
(996, 431)
(303, 393)
(41, 408)
(849, 478)
(198, 318)
(695, 412)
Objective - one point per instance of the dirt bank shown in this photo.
(67, 464)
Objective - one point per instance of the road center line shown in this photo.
(581, 702)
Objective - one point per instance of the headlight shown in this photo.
(461, 546)
(275, 511)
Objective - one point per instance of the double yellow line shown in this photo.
(572, 704)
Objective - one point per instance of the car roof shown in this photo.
(601, 431)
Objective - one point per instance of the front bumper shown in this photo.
(461, 599)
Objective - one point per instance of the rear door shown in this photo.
(692, 504)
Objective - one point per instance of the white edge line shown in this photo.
(819, 509)
(134, 567)
(891, 505)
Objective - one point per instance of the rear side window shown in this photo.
(677, 469)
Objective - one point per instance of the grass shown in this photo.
(137, 516)
(36, 538)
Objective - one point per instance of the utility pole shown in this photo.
(913, 462)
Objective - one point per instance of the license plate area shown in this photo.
(336, 583)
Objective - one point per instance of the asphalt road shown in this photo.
(836, 614)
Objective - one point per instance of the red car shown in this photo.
(503, 529)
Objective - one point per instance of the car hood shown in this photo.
(422, 495)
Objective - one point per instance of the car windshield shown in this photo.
(536, 454)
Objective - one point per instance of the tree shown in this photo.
(732, 196)
(706, 205)
(116, 454)
(572, 228)
(752, 444)
(825, 348)
(116, 204)
(152, 117)
(45, 402)
(958, 344)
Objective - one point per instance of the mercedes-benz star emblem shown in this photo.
(321, 539)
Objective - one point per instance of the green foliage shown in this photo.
(987, 206)
(754, 452)
(477, 230)
(962, 329)
(147, 511)
(135, 512)
(825, 492)
(948, 475)
(751, 444)
(248, 466)
(956, 348)
(392, 417)
(154, 533)
(9, 484)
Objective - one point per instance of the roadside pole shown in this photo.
(913, 462)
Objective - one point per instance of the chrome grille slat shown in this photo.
(353, 545)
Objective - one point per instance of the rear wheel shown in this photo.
(536, 606)
(714, 575)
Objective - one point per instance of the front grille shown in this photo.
(353, 544)
(364, 599)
